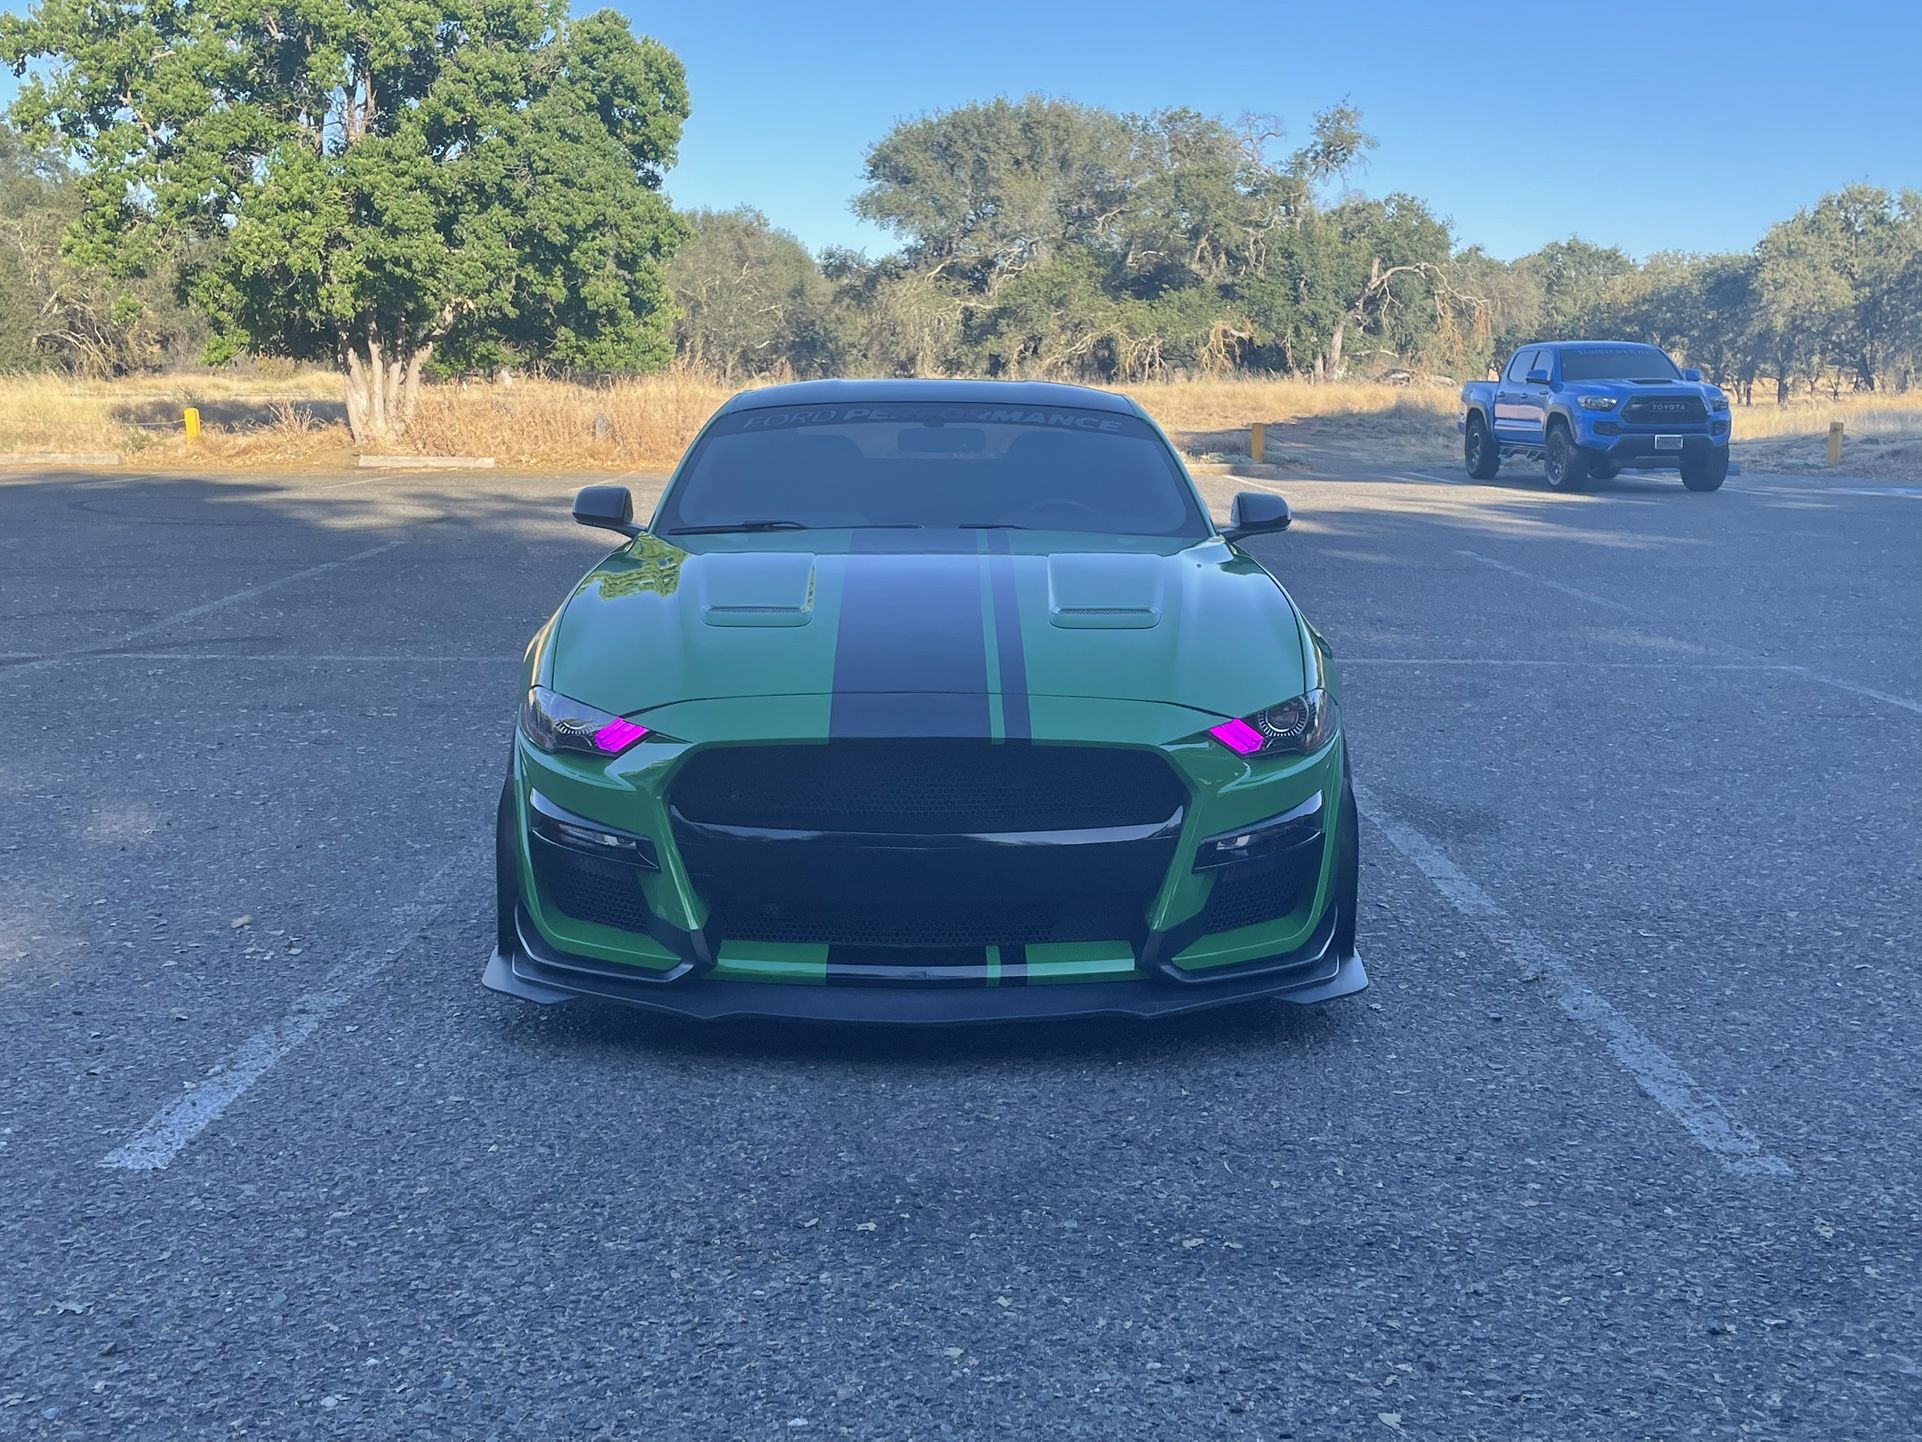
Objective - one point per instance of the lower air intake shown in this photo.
(605, 893)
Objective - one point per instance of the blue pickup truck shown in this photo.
(1589, 408)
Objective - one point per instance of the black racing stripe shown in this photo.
(907, 965)
(1015, 722)
(1014, 966)
(910, 658)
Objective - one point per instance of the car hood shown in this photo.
(929, 614)
(1678, 389)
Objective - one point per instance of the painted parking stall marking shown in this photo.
(1721, 648)
(169, 1131)
(1658, 1074)
(205, 608)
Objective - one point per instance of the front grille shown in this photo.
(606, 893)
(1254, 892)
(924, 787)
(1665, 411)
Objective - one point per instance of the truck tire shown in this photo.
(1705, 473)
(1604, 471)
(1480, 454)
(1564, 463)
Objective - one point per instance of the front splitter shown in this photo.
(535, 973)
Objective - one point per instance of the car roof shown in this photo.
(927, 389)
(1593, 345)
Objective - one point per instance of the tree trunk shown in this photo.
(1331, 367)
(383, 388)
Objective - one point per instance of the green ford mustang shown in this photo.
(928, 701)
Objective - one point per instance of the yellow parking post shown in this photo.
(1257, 441)
(1835, 443)
(192, 418)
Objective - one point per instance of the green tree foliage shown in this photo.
(378, 182)
(55, 313)
(1042, 236)
(752, 301)
(364, 181)
(1574, 275)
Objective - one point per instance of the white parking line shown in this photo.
(1906, 703)
(171, 1128)
(1566, 590)
(1563, 665)
(369, 658)
(194, 613)
(1657, 1073)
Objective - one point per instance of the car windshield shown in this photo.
(945, 465)
(1618, 363)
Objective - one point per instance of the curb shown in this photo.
(1265, 471)
(426, 463)
(60, 458)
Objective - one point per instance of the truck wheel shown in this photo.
(1564, 463)
(1705, 473)
(1604, 471)
(1479, 452)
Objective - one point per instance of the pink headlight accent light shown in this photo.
(617, 735)
(1238, 736)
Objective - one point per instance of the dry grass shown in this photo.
(640, 424)
(1882, 436)
(1347, 419)
(295, 417)
(1862, 415)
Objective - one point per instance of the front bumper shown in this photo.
(1638, 447)
(1237, 893)
(536, 971)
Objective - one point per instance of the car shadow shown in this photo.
(1271, 1027)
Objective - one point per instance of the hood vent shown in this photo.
(1104, 593)
(759, 589)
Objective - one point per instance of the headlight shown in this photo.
(1718, 402)
(1600, 403)
(1298, 726)
(553, 722)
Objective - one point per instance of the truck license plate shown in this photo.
(1668, 443)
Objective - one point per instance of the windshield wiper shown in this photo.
(789, 526)
(737, 526)
(993, 526)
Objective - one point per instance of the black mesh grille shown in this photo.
(926, 787)
(606, 893)
(1664, 410)
(1259, 891)
(999, 922)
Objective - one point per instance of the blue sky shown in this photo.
(1520, 122)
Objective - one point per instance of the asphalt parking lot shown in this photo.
(1622, 1143)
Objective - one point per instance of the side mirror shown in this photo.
(1691, 374)
(1537, 377)
(609, 507)
(1256, 512)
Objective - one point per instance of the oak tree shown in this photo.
(365, 181)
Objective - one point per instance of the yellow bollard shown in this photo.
(192, 418)
(1835, 443)
(1257, 441)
